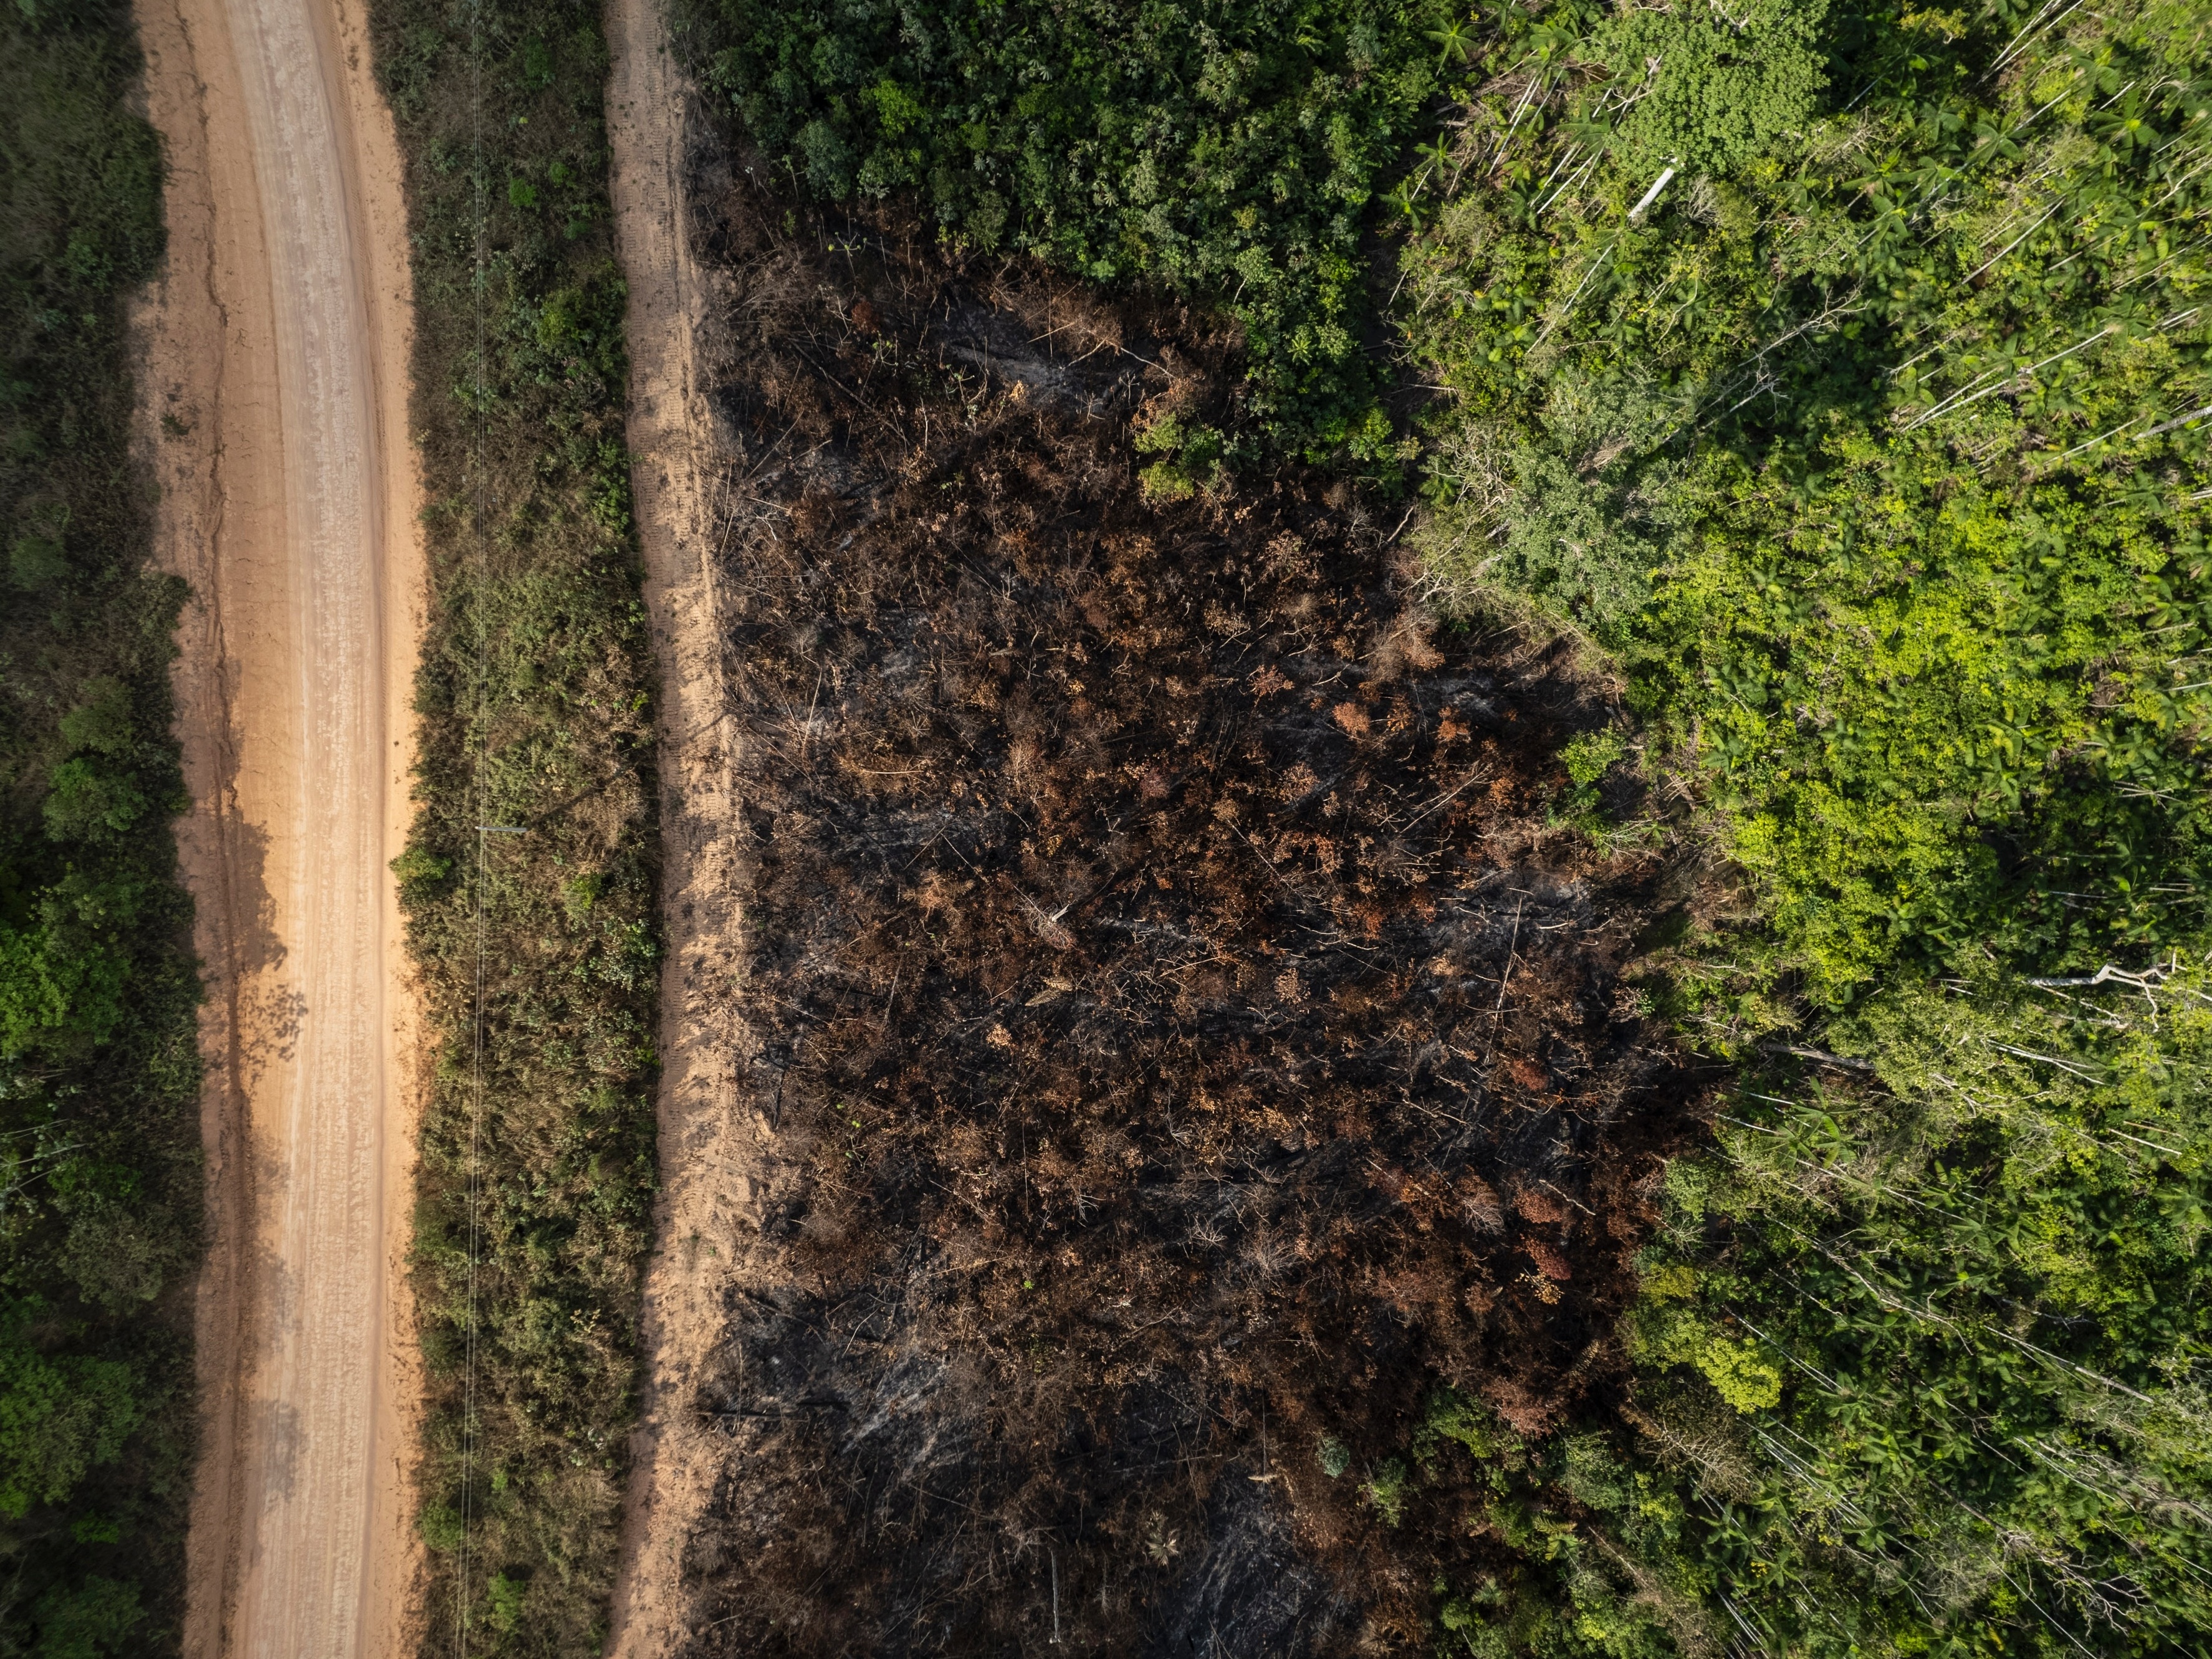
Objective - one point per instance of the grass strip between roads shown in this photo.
(532, 695)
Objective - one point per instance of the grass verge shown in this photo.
(537, 948)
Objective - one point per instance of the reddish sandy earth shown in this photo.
(711, 1142)
(275, 388)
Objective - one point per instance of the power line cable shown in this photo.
(481, 816)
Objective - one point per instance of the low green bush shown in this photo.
(534, 714)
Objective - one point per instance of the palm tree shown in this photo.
(1456, 41)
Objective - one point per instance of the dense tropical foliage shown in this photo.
(100, 1188)
(1230, 151)
(1836, 370)
(1865, 448)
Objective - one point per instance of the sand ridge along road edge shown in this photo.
(713, 1157)
(275, 396)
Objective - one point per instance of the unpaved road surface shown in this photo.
(275, 398)
(712, 1151)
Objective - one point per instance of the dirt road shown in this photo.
(711, 1147)
(275, 394)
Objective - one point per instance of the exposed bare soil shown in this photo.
(276, 362)
(707, 1137)
(1180, 1035)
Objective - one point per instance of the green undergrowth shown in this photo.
(1920, 1362)
(535, 719)
(1864, 452)
(99, 1174)
(1838, 372)
(1229, 151)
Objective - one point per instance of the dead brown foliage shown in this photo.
(1183, 1037)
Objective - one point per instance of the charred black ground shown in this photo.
(1185, 1039)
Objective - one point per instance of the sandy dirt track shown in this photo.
(275, 391)
(711, 1145)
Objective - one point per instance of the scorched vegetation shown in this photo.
(1186, 1037)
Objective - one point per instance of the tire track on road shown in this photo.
(277, 347)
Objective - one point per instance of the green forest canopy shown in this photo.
(1228, 151)
(1835, 372)
(99, 1065)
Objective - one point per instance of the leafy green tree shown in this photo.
(1709, 90)
(59, 1415)
(100, 1171)
(1230, 150)
(97, 1617)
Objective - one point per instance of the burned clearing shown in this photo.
(1181, 1039)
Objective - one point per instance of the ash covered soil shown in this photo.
(1179, 1036)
